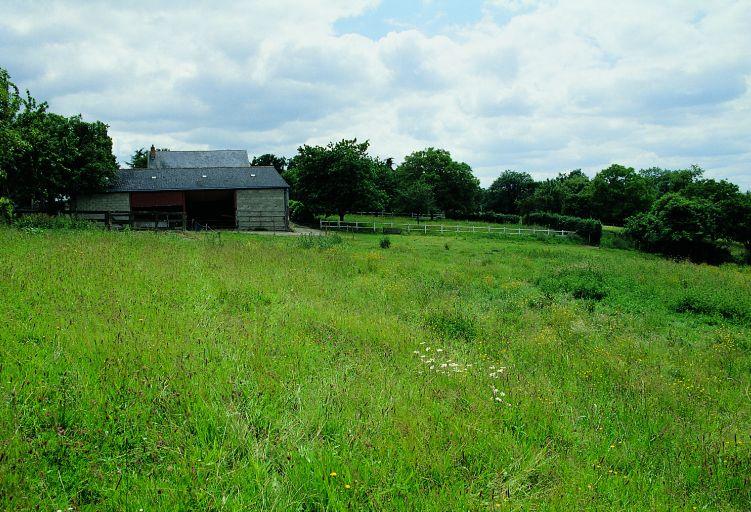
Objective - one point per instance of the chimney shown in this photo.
(152, 152)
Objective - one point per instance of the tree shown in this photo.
(417, 197)
(268, 159)
(619, 192)
(678, 226)
(10, 140)
(339, 177)
(567, 194)
(664, 181)
(139, 159)
(454, 187)
(508, 191)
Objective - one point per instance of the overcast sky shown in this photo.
(537, 86)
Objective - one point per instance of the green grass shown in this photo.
(185, 372)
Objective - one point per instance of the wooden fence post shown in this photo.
(108, 220)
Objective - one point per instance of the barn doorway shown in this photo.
(213, 209)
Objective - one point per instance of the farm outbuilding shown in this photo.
(218, 189)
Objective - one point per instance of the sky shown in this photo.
(540, 86)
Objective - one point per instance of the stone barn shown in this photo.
(218, 189)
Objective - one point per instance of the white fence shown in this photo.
(377, 227)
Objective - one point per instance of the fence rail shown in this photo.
(380, 227)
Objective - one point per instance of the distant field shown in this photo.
(168, 371)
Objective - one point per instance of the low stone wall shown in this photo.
(262, 209)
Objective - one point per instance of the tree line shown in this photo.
(47, 158)
(678, 212)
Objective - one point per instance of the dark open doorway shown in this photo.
(210, 208)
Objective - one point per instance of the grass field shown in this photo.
(184, 372)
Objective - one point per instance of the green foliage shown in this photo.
(581, 282)
(337, 178)
(508, 191)
(678, 226)
(277, 162)
(590, 230)
(417, 197)
(385, 242)
(6, 211)
(496, 218)
(139, 159)
(455, 190)
(36, 221)
(719, 304)
(567, 194)
(46, 158)
(617, 193)
(452, 323)
(301, 214)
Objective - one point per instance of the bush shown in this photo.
(678, 226)
(589, 230)
(301, 214)
(385, 242)
(6, 210)
(44, 221)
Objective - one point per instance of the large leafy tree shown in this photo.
(507, 192)
(664, 181)
(619, 192)
(454, 187)
(277, 162)
(566, 194)
(417, 197)
(48, 157)
(10, 140)
(337, 178)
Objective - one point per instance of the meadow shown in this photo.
(179, 371)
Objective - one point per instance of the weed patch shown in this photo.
(714, 304)
(318, 241)
(452, 324)
(581, 282)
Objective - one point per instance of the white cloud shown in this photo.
(538, 86)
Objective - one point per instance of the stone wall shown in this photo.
(111, 202)
(262, 209)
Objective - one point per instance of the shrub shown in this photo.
(6, 210)
(581, 282)
(385, 242)
(678, 226)
(44, 221)
(590, 230)
(301, 214)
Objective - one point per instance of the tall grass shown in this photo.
(166, 371)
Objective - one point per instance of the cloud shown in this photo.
(541, 86)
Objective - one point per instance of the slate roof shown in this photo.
(207, 178)
(199, 159)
